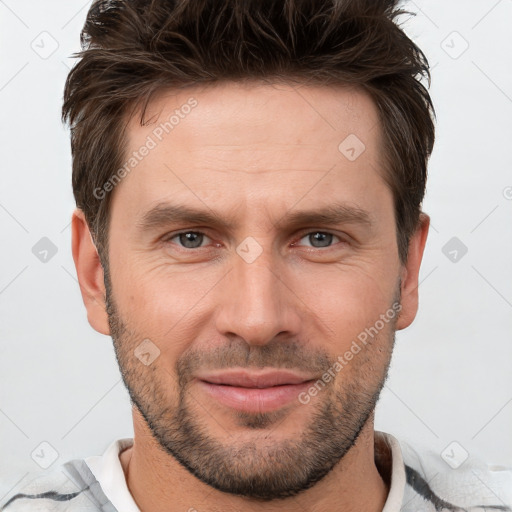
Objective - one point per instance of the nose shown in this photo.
(257, 303)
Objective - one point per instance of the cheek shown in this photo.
(162, 303)
(355, 292)
(345, 301)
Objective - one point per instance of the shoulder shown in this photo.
(454, 480)
(45, 492)
(69, 487)
(72, 486)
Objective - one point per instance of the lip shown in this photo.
(261, 379)
(254, 391)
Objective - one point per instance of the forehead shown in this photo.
(254, 140)
(251, 113)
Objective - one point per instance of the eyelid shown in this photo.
(307, 231)
(169, 236)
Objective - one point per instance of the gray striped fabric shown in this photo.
(72, 487)
(429, 485)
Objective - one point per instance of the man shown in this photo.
(249, 178)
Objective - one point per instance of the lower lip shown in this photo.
(254, 399)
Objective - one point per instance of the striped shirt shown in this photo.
(426, 483)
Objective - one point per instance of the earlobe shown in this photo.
(90, 273)
(410, 273)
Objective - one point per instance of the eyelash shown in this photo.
(168, 239)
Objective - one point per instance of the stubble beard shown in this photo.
(259, 467)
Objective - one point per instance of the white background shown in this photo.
(451, 376)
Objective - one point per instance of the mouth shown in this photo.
(254, 391)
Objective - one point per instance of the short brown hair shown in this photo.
(132, 49)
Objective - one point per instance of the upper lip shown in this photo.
(262, 379)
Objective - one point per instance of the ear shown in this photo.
(89, 272)
(410, 273)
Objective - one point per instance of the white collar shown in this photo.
(109, 473)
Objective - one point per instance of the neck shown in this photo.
(353, 484)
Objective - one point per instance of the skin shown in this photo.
(252, 154)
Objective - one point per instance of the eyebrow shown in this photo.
(165, 214)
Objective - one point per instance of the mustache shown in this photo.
(278, 354)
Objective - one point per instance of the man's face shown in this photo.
(261, 288)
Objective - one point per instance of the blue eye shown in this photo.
(189, 239)
(323, 238)
(195, 239)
